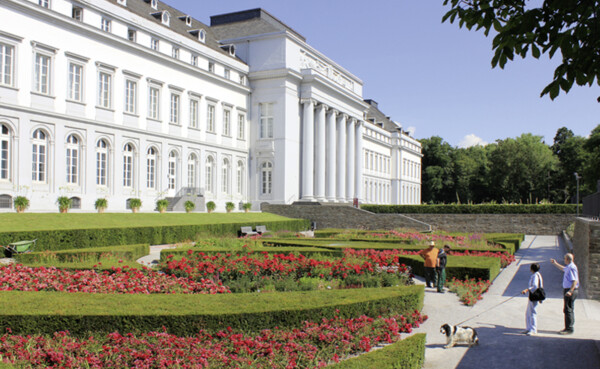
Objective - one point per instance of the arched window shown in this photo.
(128, 153)
(151, 168)
(75, 203)
(266, 174)
(225, 176)
(5, 153)
(40, 157)
(6, 202)
(72, 160)
(172, 170)
(210, 167)
(192, 171)
(240, 177)
(102, 163)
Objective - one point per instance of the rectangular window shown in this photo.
(132, 35)
(39, 162)
(154, 103)
(77, 13)
(75, 82)
(101, 167)
(105, 25)
(194, 113)
(150, 179)
(42, 73)
(72, 165)
(242, 79)
(4, 159)
(7, 64)
(154, 44)
(128, 171)
(174, 116)
(227, 73)
(104, 90)
(266, 120)
(210, 118)
(44, 3)
(175, 53)
(211, 67)
(194, 60)
(241, 126)
(226, 123)
(130, 96)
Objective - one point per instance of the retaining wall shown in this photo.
(586, 248)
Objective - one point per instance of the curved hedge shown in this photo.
(472, 209)
(408, 353)
(183, 315)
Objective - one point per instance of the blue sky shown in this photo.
(431, 76)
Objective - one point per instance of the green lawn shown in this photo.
(13, 222)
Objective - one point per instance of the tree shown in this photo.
(591, 170)
(471, 174)
(437, 180)
(569, 26)
(571, 154)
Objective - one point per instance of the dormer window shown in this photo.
(122, 2)
(154, 4)
(187, 19)
(200, 34)
(166, 18)
(229, 48)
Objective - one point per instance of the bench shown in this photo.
(247, 231)
(20, 247)
(261, 229)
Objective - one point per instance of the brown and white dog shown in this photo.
(455, 334)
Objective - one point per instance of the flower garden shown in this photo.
(277, 301)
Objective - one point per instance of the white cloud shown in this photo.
(471, 140)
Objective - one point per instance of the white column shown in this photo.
(359, 163)
(350, 155)
(320, 133)
(308, 149)
(341, 158)
(331, 156)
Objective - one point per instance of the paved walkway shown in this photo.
(501, 343)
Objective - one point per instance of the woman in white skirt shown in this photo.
(535, 282)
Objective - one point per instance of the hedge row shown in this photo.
(306, 251)
(127, 252)
(472, 209)
(184, 315)
(85, 238)
(408, 353)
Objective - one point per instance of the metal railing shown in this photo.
(190, 191)
(591, 206)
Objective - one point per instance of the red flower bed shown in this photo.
(17, 277)
(469, 291)
(313, 346)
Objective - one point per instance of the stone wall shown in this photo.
(586, 248)
(341, 216)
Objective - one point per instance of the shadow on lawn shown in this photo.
(501, 347)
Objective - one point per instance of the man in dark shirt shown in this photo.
(441, 268)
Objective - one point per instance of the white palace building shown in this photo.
(122, 99)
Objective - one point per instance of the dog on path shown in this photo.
(456, 334)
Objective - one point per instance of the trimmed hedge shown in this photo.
(306, 251)
(472, 209)
(408, 353)
(184, 315)
(127, 252)
(85, 238)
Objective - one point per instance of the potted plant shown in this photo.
(210, 206)
(64, 204)
(162, 205)
(229, 206)
(135, 204)
(101, 205)
(21, 203)
(189, 206)
(247, 206)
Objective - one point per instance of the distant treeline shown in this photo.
(514, 170)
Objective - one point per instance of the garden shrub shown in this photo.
(472, 209)
(408, 353)
(84, 238)
(184, 315)
(127, 252)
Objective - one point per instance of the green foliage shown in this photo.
(64, 203)
(229, 206)
(211, 206)
(162, 204)
(127, 252)
(135, 204)
(101, 203)
(408, 353)
(21, 203)
(153, 235)
(539, 27)
(247, 206)
(48, 312)
(189, 206)
(471, 209)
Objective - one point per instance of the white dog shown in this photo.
(455, 334)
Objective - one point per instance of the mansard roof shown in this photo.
(248, 23)
(144, 9)
(376, 116)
